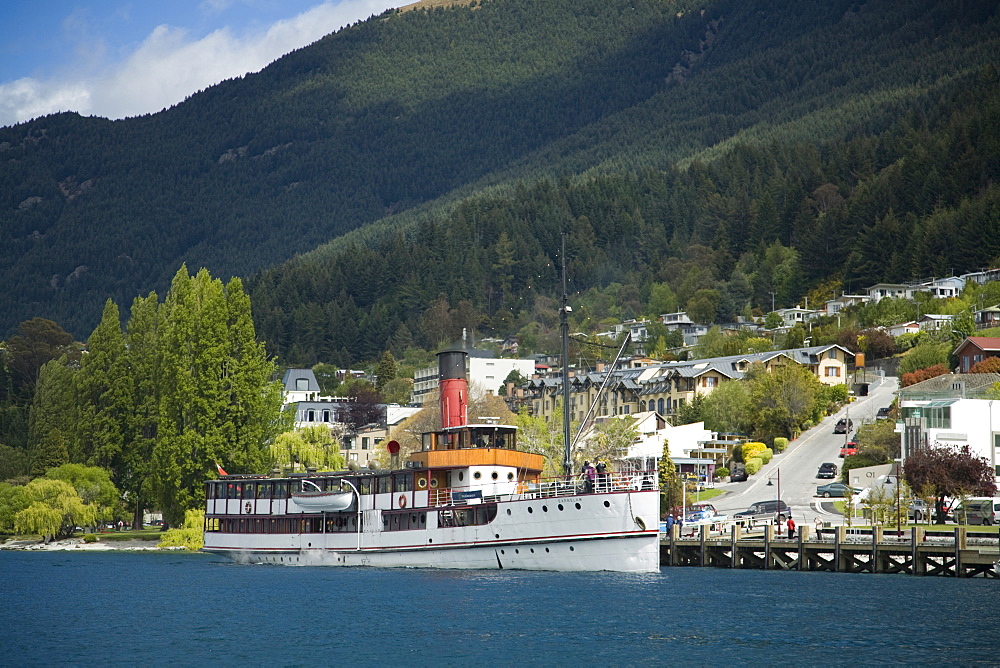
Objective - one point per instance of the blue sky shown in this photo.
(119, 58)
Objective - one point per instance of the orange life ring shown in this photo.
(402, 500)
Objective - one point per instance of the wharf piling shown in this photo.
(915, 551)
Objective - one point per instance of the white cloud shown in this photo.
(168, 66)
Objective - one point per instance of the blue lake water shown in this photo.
(135, 608)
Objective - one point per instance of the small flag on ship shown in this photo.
(222, 471)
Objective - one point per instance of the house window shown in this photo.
(310, 416)
(833, 372)
(709, 381)
(996, 454)
(365, 443)
(659, 405)
(831, 354)
(326, 416)
(652, 405)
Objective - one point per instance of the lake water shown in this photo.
(136, 608)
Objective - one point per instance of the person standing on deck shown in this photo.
(588, 477)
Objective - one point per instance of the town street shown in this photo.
(795, 469)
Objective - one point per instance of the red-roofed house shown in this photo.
(974, 350)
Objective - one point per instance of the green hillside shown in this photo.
(736, 146)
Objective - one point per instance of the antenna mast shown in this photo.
(564, 326)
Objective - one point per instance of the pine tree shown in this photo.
(386, 371)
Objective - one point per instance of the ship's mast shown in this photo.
(564, 326)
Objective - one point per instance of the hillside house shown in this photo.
(974, 350)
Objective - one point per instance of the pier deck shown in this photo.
(917, 551)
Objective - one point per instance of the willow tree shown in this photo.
(217, 402)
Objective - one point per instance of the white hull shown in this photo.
(592, 532)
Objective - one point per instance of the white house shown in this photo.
(911, 327)
(932, 322)
(953, 409)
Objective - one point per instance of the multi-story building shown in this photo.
(953, 409)
(665, 387)
(485, 372)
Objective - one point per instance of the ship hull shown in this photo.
(599, 532)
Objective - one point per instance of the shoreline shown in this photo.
(72, 544)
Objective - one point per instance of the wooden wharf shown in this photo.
(914, 551)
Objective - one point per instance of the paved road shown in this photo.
(796, 468)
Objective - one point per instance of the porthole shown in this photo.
(560, 506)
(578, 506)
(545, 509)
(502, 552)
(477, 475)
(510, 476)
(517, 551)
(497, 535)
(607, 504)
(532, 550)
(434, 483)
(571, 548)
(530, 509)
(508, 511)
(546, 549)
(461, 476)
(495, 475)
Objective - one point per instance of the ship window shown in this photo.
(365, 486)
(264, 490)
(281, 489)
(249, 490)
(477, 475)
(404, 482)
(384, 484)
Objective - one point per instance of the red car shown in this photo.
(850, 448)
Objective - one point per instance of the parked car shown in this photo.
(763, 511)
(981, 510)
(843, 426)
(919, 510)
(827, 470)
(883, 413)
(850, 448)
(835, 489)
(738, 473)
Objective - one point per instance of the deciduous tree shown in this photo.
(947, 470)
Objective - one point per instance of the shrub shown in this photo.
(780, 444)
(923, 374)
(753, 465)
(90, 538)
(721, 472)
(766, 455)
(191, 536)
(752, 449)
(988, 365)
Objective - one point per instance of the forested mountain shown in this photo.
(727, 151)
